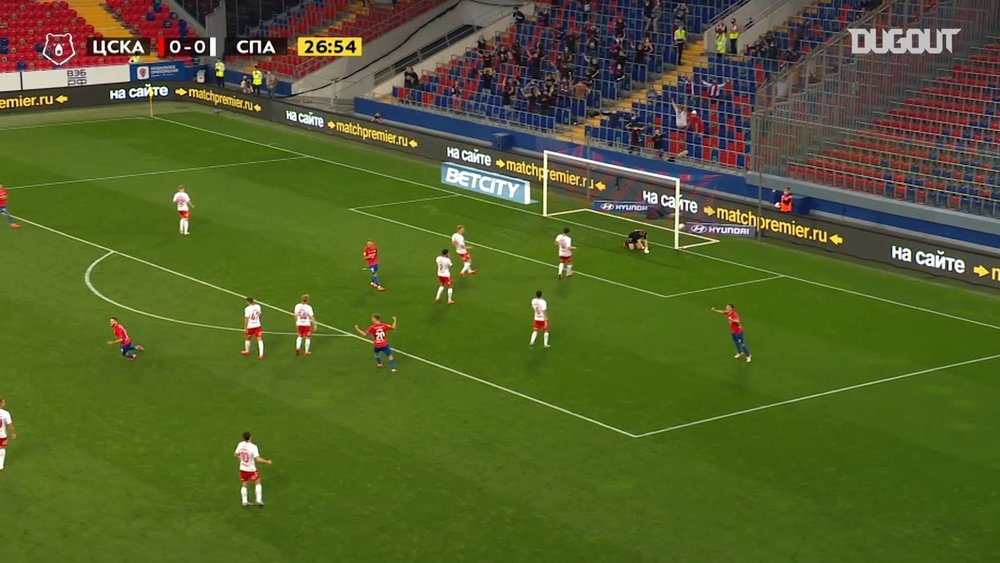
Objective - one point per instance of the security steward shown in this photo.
(680, 37)
(734, 36)
(784, 203)
(257, 80)
(220, 73)
(637, 240)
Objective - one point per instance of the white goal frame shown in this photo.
(660, 179)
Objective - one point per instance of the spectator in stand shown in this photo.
(487, 77)
(508, 93)
(535, 63)
(545, 98)
(565, 69)
(245, 86)
(619, 29)
(680, 116)
(572, 42)
(649, 15)
(593, 41)
(530, 93)
(516, 54)
(272, 83)
(771, 48)
(657, 143)
(584, 5)
(518, 16)
(377, 118)
(720, 39)
(695, 124)
(481, 45)
(681, 14)
(634, 134)
(680, 37)
(410, 78)
(685, 85)
(618, 72)
(714, 87)
(734, 36)
(542, 18)
(643, 51)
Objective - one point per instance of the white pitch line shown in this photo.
(333, 328)
(550, 265)
(851, 292)
(519, 210)
(405, 202)
(156, 173)
(68, 123)
(90, 285)
(817, 395)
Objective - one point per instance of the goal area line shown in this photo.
(705, 241)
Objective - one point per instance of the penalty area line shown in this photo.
(403, 353)
(817, 395)
(404, 202)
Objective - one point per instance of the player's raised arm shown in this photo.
(720, 311)
(394, 323)
(359, 331)
(259, 459)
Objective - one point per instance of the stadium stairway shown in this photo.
(103, 21)
(694, 56)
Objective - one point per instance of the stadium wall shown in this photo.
(970, 229)
(909, 251)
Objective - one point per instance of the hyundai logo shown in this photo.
(698, 228)
(607, 206)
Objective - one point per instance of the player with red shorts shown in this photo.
(566, 248)
(249, 456)
(252, 328)
(444, 277)
(540, 308)
(305, 323)
(184, 207)
(3, 208)
(6, 426)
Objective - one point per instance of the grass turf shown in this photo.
(469, 453)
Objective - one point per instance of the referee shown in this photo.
(637, 239)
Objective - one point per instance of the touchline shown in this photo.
(902, 41)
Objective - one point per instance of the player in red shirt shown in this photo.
(129, 350)
(379, 331)
(3, 208)
(371, 259)
(736, 331)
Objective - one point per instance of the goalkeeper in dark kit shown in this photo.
(637, 240)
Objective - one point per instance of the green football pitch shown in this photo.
(864, 430)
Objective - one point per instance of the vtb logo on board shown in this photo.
(900, 41)
(59, 48)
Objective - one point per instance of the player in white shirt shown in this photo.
(252, 328)
(184, 207)
(444, 276)
(305, 324)
(566, 249)
(541, 310)
(249, 456)
(6, 428)
(458, 241)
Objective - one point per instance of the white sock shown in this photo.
(560, 268)
(185, 226)
(450, 291)
(467, 267)
(308, 342)
(246, 346)
(260, 348)
(534, 336)
(181, 227)
(440, 291)
(258, 492)
(3, 456)
(569, 269)
(243, 494)
(545, 339)
(298, 343)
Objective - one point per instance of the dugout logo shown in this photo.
(902, 41)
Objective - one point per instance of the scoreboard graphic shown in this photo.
(166, 47)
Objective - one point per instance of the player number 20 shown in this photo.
(379, 335)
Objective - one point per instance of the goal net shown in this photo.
(646, 200)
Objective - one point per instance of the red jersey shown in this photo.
(3, 197)
(121, 334)
(380, 334)
(371, 255)
(734, 323)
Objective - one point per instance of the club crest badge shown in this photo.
(59, 48)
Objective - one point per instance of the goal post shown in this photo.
(572, 184)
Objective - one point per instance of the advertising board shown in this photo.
(74, 77)
(167, 70)
(495, 185)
